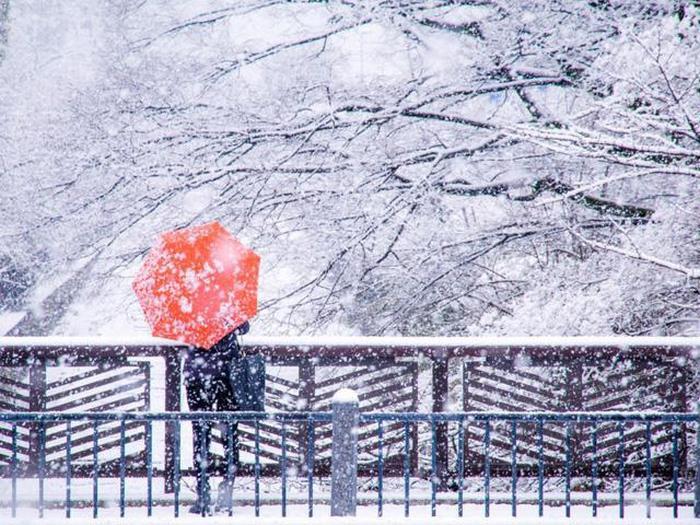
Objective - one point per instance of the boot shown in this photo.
(203, 504)
(199, 508)
(224, 496)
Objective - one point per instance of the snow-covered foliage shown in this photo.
(4, 4)
(412, 167)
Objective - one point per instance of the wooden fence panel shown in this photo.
(124, 386)
(613, 384)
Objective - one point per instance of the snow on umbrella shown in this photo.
(198, 284)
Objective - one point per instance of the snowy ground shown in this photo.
(297, 507)
(364, 520)
(473, 514)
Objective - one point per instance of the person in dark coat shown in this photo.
(209, 376)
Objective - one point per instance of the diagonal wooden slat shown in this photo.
(273, 379)
(514, 382)
(15, 384)
(8, 394)
(111, 374)
(620, 385)
(129, 398)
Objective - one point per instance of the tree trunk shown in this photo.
(4, 29)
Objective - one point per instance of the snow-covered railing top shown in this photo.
(384, 343)
(540, 348)
(477, 342)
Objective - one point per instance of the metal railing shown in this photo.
(568, 420)
(485, 422)
(559, 374)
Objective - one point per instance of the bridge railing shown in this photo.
(612, 469)
(404, 375)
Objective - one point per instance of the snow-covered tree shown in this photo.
(403, 167)
(4, 8)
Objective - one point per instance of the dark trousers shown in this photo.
(208, 385)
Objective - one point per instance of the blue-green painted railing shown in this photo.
(310, 419)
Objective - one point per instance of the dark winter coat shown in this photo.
(246, 373)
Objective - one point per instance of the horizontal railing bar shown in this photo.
(163, 416)
(576, 417)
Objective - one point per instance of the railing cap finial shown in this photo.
(346, 395)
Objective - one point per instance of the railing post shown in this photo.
(307, 386)
(440, 397)
(697, 463)
(173, 382)
(346, 415)
(37, 403)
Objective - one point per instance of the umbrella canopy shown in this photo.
(198, 284)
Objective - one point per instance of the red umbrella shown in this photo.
(198, 284)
